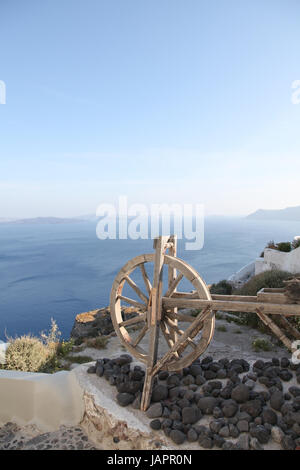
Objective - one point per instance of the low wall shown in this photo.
(274, 259)
(46, 400)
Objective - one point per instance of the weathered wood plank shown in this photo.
(172, 283)
(288, 327)
(233, 306)
(275, 329)
(155, 317)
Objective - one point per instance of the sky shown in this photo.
(164, 101)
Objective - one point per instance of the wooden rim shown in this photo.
(132, 345)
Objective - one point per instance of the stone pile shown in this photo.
(242, 407)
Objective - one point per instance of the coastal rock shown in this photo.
(97, 322)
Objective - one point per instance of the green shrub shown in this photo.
(221, 328)
(284, 246)
(269, 279)
(65, 347)
(79, 359)
(281, 246)
(261, 344)
(223, 287)
(27, 354)
(273, 279)
(99, 343)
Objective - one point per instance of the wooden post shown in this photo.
(171, 279)
(154, 319)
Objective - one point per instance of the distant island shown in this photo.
(42, 221)
(289, 213)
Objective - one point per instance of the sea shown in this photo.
(59, 270)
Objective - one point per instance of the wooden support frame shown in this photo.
(158, 311)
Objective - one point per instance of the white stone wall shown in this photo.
(274, 259)
(46, 400)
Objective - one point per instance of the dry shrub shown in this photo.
(27, 354)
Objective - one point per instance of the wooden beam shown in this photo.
(274, 328)
(288, 327)
(173, 281)
(233, 306)
(155, 317)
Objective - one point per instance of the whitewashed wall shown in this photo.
(46, 400)
(274, 259)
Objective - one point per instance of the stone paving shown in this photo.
(14, 437)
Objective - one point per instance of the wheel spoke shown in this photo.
(132, 302)
(180, 317)
(146, 278)
(133, 321)
(140, 336)
(167, 336)
(173, 285)
(175, 328)
(171, 324)
(137, 289)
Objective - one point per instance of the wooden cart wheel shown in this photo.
(172, 323)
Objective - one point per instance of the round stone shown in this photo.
(192, 435)
(224, 431)
(190, 415)
(240, 393)
(207, 404)
(155, 411)
(160, 392)
(269, 416)
(177, 436)
(195, 369)
(200, 380)
(243, 425)
(260, 433)
(163, 375)
(205, 442)
(277, 400)
(124, 399)
(155, 424)
(229, 408)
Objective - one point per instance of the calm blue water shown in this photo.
(61, 270)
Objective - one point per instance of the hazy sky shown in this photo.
(159, 100)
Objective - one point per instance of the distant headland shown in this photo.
(42, 221)
(289, 213)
